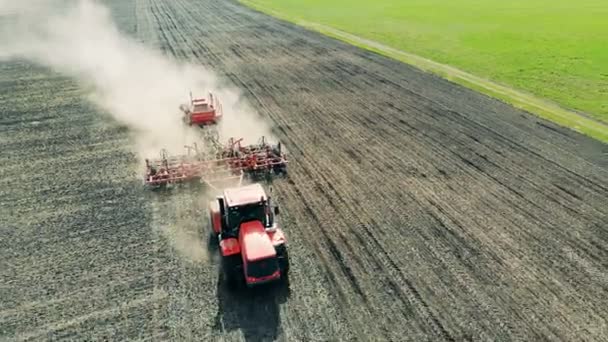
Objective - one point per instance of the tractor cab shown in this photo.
(248, 210)
(251, 244)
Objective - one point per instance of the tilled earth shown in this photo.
(415, 209)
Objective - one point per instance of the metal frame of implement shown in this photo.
(231, 164)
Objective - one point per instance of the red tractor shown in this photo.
(252, 247)
(202, 112)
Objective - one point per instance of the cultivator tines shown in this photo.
(171, 170)
(226, 168)
(256, 159)
(222, 176)
(176, 170)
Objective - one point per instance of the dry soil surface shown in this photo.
(415, 209)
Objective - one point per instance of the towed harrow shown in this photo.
(227, 167)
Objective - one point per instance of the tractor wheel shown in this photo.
(280, 170)
(284, 264)
(212, 233)
(230, 279)
(230, 273)
(212, 243)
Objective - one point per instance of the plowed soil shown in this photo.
(415, 209)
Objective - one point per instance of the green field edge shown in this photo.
(540, 107)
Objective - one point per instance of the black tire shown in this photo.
(284, 263)
(212, 233)
(230, 280)
(284, 267)
(212, 243)
(278, 170)
(230, 272)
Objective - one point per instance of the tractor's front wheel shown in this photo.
(230, 271)
(229, 279)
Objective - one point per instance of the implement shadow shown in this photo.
(256, 312)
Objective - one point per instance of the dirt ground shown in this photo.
(415, 209)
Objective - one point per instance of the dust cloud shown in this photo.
(138, 86)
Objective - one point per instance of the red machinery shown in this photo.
(228, 166)
(255, 159)
(252, 246)
(202, 112)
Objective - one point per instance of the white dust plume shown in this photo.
(138, 86)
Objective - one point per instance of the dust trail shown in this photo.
(137, 86)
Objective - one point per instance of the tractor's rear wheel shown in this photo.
(284, 264)
(212, 234)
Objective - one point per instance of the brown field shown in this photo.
(415, 209)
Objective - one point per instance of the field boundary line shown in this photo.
(540, 107)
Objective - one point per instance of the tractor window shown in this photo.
(201, 107)
(250, 212)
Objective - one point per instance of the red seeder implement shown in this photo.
(229, 165)
(202, 112)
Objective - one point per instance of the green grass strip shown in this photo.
(519, 99)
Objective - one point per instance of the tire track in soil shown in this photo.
(416, 209)
(332, 247)
(280, 93)
(179, 219)
(78, 261)
(457, 162)
(296, 311)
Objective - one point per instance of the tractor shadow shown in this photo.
(256, 311)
